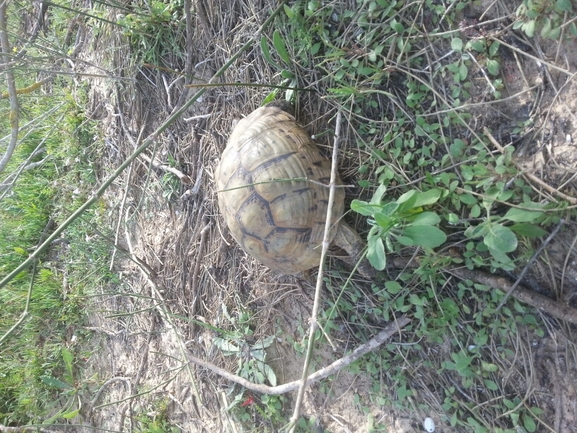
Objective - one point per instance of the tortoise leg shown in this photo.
(350, 241)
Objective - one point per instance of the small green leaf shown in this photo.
(393, 287)
(493, 67)
(425, 236)
(397, 26)
(376, 253)
(529, 28)
(280, 47)
(494, 48)
(463, 72)
(467, 198)
(546, 29)
(21, 251)
(500, 238)
(490, 384)
(452, 218)
(529, 423)
(491, 368)
(289, 12)
(457, 44)
(529, 230)
(478, 45)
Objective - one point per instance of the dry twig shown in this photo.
(333, 368)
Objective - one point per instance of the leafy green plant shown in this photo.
(155, 32)
(403, 221)
(546, 15)
(68, 388)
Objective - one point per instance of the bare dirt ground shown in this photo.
(196, 274)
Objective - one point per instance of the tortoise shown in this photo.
(270, 191)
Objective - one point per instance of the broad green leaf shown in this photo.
(266, 342)
(68, 358)
(500, 238)
(376, 253)
(428, 197)
(378, 194)
(403, 392)
(564, 5)
(522, 215)
(467, 198)
(529, 230)
(364, 208)
(407, 201)
(425, 236)
(404, 240)
(280, 47)
(426, 219)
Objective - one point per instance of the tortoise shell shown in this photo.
(273, 191)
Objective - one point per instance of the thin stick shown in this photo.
(333, 368)
(317, 300)
(11, 85)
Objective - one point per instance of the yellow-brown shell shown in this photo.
(270, 191)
